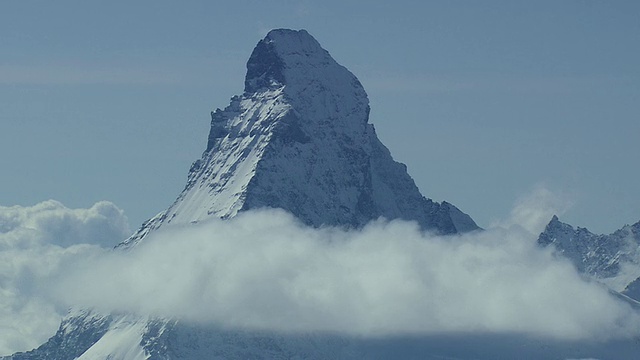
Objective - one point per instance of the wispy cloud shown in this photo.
(533, 211)
(421, 83)
(52, 223)
(50, 74)
(438, 84)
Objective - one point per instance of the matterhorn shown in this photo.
(297, 139)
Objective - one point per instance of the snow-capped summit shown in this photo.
(290, 57)
(298, 138)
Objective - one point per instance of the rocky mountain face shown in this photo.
(612, 259)
(298, 138)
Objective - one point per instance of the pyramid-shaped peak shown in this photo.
(299, 139)
(289, 57)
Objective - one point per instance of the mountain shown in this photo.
(612, 259)
(298, 139)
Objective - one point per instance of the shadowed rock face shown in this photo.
(264, 68)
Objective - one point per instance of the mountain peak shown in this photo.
(293, 41)
(299, 139)
(288, 57)
(269, 60)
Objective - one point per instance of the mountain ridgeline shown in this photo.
(612, 259)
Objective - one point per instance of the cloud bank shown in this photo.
(264, 270)
(52, 223)
(34, 242)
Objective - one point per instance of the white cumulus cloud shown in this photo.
(50, 222)
(34, 242)
(263, 270)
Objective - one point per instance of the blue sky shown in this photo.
(483, 101)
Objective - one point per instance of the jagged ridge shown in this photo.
(613, 259)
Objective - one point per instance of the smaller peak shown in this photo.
(555, 224)
(555, 221)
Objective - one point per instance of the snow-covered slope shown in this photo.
(611, 259)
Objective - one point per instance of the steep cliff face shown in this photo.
(613, 259)
(298, 138)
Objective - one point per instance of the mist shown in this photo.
(264, 270)
(34, 242)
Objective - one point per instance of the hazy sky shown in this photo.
(482, 100)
